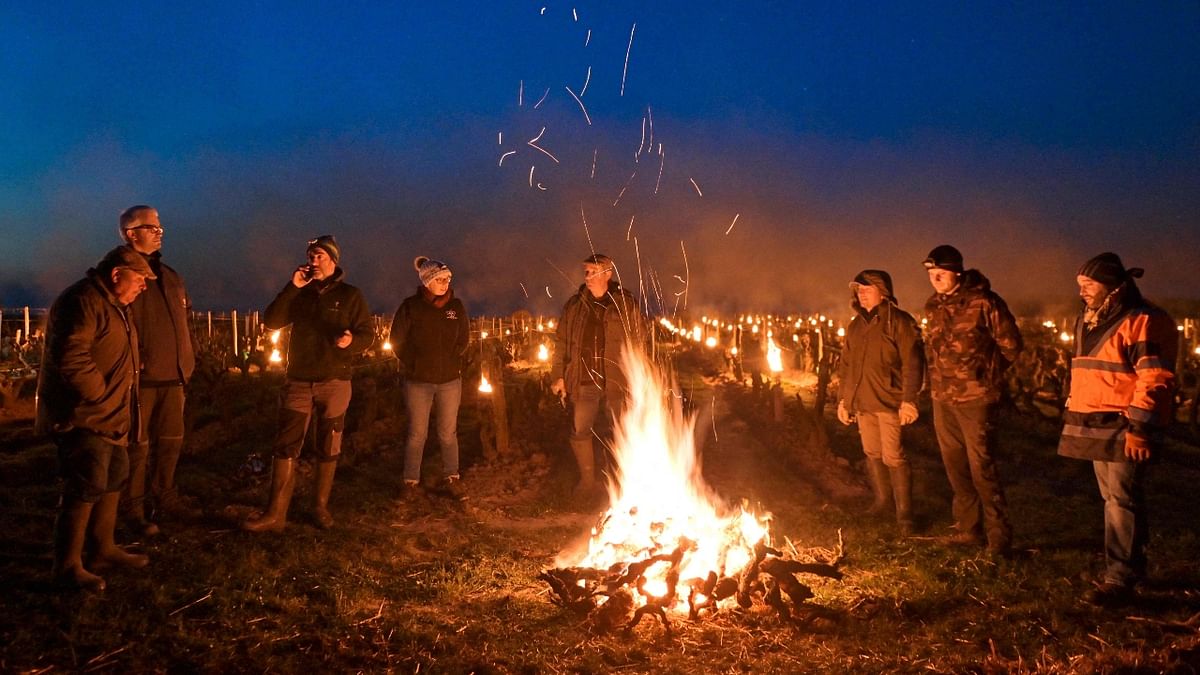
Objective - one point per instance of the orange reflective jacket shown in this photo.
(1121, 378)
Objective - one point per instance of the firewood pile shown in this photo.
(617, 597)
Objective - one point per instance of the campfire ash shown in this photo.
(668, 544)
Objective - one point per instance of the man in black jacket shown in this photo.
(163, 316)
(87, 395)
(330, 326)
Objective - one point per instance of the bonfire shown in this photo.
(668, 544)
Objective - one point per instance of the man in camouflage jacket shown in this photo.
(970, 340)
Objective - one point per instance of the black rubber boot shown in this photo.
(325, 471)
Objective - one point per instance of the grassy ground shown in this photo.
(436, 585)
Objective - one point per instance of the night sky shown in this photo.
(841, 136)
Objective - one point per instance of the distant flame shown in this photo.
(543, 352)
(774, 356)
(484, 385)
(659, 498)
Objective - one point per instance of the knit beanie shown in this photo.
(429, 269)
(877, 278)
(1107, 269)
(945, 257)
(326, 243)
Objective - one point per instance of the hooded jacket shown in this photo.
(883, 359)
(623, 324)
(319, 313)
(88, 376)
(162, 314)
(970, 340)
(430, 337)
(1122, 373)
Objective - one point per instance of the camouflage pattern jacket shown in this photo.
(970, 340)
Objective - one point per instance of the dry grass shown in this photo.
(438, 586)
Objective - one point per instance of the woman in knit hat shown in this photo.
(430, 333)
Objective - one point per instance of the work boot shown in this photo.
(70, 530)
(283, 480)
(104, 522)
(325, 471)
(1110, 595)
(586, 462)
(902, 493)
(169, 501)
(454, 487)
(877, 471)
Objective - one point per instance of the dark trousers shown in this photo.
(299, 401)
(964, 434)
(161, 439)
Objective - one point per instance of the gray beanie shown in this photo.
(429, 269)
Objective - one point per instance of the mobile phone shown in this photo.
(308, 272)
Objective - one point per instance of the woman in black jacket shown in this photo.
(429, 336)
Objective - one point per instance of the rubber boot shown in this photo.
(70, 530)
(283, 480)
(104, 522)
(325, 471)
(877, 471)
(133, 497)
(902, 493)
(162, 486)
(586, 462)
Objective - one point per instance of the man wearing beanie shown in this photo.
(597, 324)
(163, 318)
(971, 339)
(86, 400)
(331, 325)
(430, 334)
(1119, 404)
(881, 373)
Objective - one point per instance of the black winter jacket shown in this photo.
(429, 340)
(623, 323)
(319, 313)
(162, 314)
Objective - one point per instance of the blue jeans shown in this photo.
(420, 399)
(1125, 527)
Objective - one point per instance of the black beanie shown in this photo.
(1107, 269)
(327, 243)
(945, 257)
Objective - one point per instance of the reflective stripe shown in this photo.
(1090, 363)
(1152, 363)
(1140, 414)
(1090, 432)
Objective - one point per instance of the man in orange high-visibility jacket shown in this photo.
(1120, 402)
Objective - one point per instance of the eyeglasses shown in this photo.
(156, 229)
(588, 274)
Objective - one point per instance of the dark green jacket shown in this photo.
(624, 324)
(883, 360)
(88, 376)
(319, 313)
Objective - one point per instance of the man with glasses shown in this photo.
(598, 323)
(331, 325)
(163, 318)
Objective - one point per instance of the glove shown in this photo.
(1137, 448)
(843, 415)
(908, 413)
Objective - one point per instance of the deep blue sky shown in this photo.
(841, 135)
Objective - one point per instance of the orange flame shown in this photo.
(658, 496)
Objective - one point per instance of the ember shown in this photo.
(668, 543)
